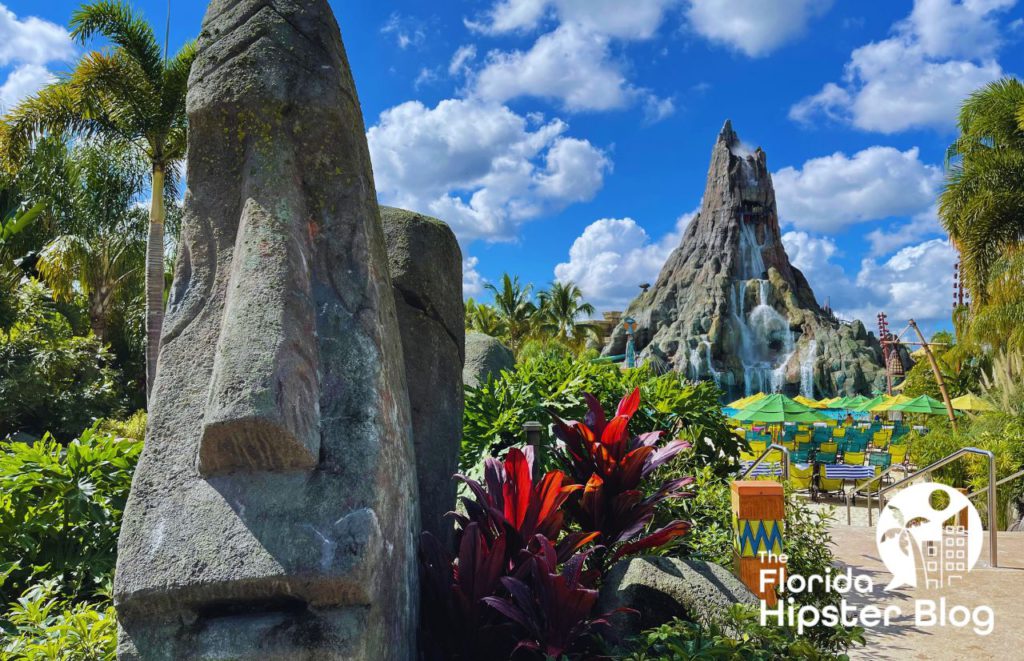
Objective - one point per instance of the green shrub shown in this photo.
(60, 512)
(51, 379)
(549, 381)
(1000, 433)
(740, 636)
(807, 540)
(41, 626)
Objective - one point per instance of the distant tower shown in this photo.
(961, 296)
(884, 338)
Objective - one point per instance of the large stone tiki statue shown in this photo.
(273, 513)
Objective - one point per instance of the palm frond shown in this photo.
(119, 23)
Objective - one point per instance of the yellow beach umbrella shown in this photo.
(807, 401)
(971, 402)
(746, 401)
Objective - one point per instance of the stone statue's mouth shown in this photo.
(273, 605)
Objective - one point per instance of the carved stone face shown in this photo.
(273, 512)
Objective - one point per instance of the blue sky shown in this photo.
(570, 138)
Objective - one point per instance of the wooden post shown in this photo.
(533, 430)
(938, 375)
(758, 513)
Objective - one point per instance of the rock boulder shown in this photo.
(485, 356)
(426, 274)
(661, 588)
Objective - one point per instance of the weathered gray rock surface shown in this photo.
(273, 514)
(661, 588)
(728, 305)
(485, 355)
(426, 273)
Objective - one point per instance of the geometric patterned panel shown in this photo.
(753, 537)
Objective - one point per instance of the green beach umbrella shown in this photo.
(889, 403)
(776, 409)
(923, 404)
(870, 404)
(855, 401)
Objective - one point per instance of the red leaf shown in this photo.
(517, 488)
(629, 404)
(595, 416)
(655, 539)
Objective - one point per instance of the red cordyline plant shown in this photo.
(553, 609)
(505, 554)
(511, 505)
(503, 595)
(611, 464)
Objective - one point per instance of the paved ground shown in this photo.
(1002, 589)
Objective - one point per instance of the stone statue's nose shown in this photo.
(263, 408)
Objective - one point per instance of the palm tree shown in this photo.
(982, 205)
(484, 319)
(561, 306)
(515, 309)
(130, 94)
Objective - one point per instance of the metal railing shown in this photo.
(993, 553)
(757, 462)
(851, 493)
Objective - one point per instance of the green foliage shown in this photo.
(740, 636)
(1006, 382)
(998, 432)
(41, 626)
(51, 378)
(982, 208)
(60, 511)
(808, 542)
(550, 381)
(519, 319)
(962, 369)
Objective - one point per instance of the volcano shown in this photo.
(729, 306)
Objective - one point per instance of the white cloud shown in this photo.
(916, 282)
(572, 64)
(479, 166)
(754, 27)
(406, 30)
(831, 192)
(462, 57)
(22, 82)
(472, 282)
(32, 40)
(917, 78)
(813, 256)
(613, 256)
(920, 226)
(656, 109)
(569, 64)
(640, 21)
(29, 44)
(946, 28)
(425, 77)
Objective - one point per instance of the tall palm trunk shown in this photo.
(155, 276)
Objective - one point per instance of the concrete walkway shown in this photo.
(1001, 589)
